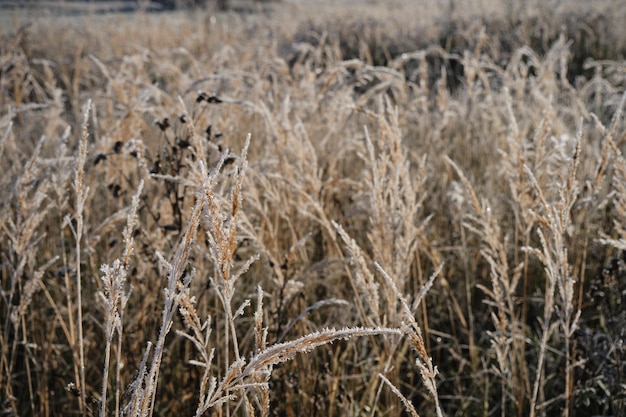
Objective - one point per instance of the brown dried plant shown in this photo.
(397, 150)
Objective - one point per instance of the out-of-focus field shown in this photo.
(314, 208)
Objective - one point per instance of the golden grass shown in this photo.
(398, 210)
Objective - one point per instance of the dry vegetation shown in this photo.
(385, 210)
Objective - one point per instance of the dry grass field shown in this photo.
(382, 208)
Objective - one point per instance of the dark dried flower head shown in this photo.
(99, 158)
(163, 124)
(117, 147)
(183, 143)
(202, 96)
(173, 227)
(156, 168)
(115, 189)
(212, 133)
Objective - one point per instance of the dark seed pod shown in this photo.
(115, 190)
(214, 100)
(163, 124)
(156, 168)
(117, 147)
(182, 118)
(99, 158)
(210, 133)
(171, 227)
(202, 97)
